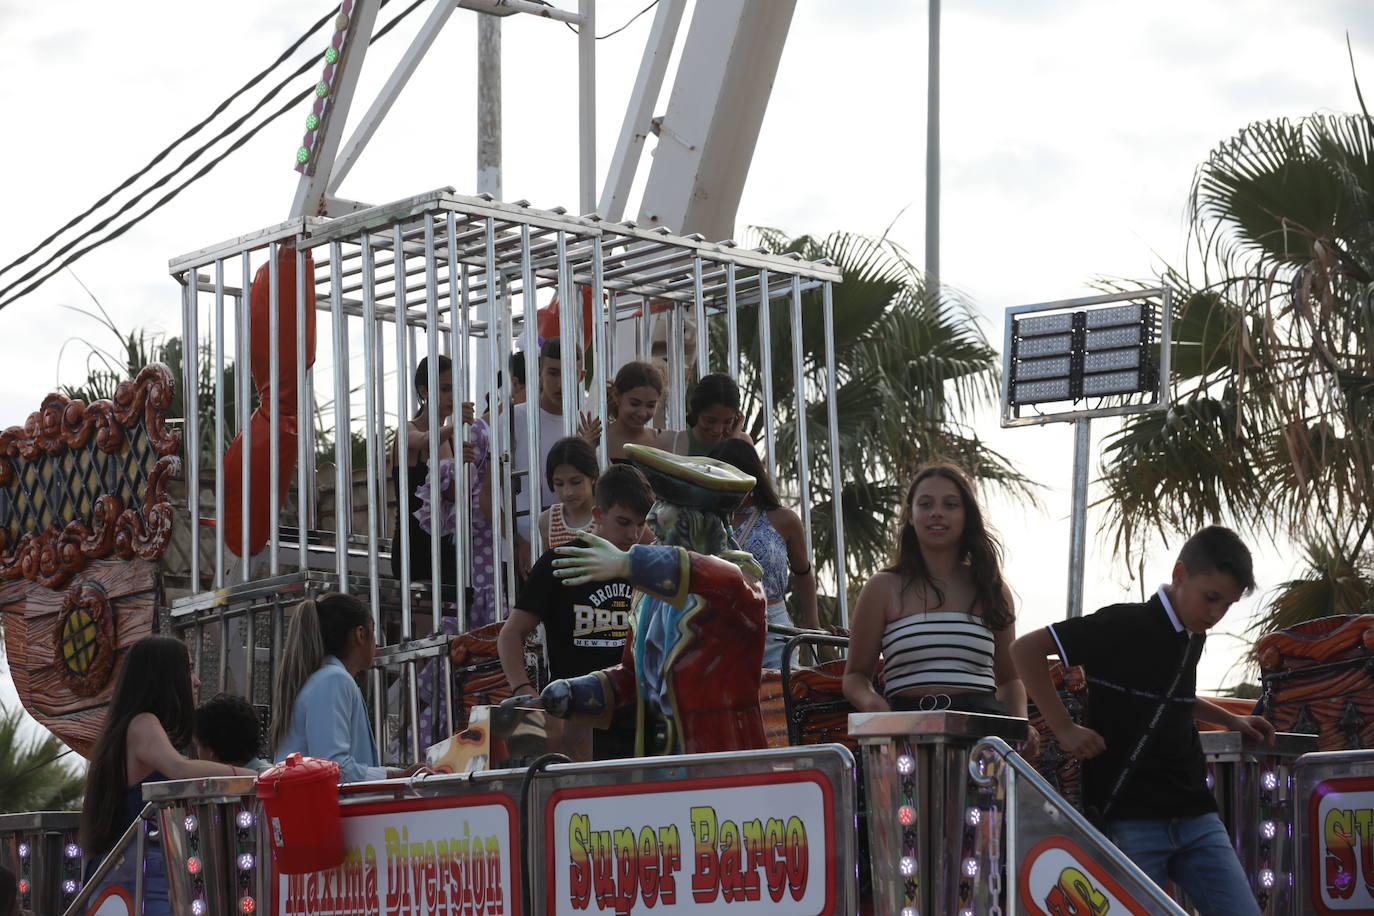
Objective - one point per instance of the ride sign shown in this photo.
(760, 843)
(435, 856)
(1057, 878)
(1340, 817)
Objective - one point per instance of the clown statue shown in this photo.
(694, 662)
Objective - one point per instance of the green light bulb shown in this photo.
(331, 55)
(322, 89)
(312, 121)
(302, 155)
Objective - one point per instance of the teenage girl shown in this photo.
(941, 615)
(635, 397)
(318, 708)
(151, 714)
(774, 535)
(417, 438)
(572, 471)
(713, 414)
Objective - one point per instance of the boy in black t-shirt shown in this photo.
(585, 626)
(1153, 796)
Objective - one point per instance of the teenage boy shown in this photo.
(550, 407)
(585, 626)
(226, 730)
(1144, 775)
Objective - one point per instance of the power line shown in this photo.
(204, 170)
(174, 144)
(627, 24)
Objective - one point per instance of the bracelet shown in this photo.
(800, 572)
(518, 686)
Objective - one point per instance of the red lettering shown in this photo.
(649, 853)
(775, 868)
(495, 900)
(1339, 863)
(798, 857)
(370, 883)
(731, 866)
(671, 861)
(706, 877)
(603, 869)
(626, 888)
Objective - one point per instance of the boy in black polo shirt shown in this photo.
(1153, 796)
(585, 626)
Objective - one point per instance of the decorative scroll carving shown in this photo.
(84, 640)
(54, 466)
(1319, 678)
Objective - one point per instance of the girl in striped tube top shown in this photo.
(941, 615)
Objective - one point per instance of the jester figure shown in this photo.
(694, 661)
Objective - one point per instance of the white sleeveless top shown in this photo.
(937, 649)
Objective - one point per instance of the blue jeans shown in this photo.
(772, 649)
(1196, 853)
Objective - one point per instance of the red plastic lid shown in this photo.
(296, 770)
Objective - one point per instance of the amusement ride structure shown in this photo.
(117, 521)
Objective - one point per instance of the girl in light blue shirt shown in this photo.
(317, 707)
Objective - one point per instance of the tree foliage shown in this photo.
(1272, 425)
(31, 776)
(909, 361)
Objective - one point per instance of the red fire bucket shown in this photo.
(300, 800)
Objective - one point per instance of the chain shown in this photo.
(996, 823)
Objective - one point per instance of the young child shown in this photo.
(1148, 784)
(635, 397)
(585, 626)
(572, 472)
(226, 730)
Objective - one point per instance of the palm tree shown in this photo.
(1273, 422)
(32, 775)
(909, 359)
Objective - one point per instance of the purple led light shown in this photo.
(905, 764)
(245, 819)
(907, 866)
(973, 817)
(971, 867)
(73, 851)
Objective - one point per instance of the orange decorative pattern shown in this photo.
(1318, 679)
(68, 504)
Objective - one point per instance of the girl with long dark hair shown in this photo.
(150, 715)
(635, 396)
(941, 615)
(317, 708)
(713, 414)
(775, 536)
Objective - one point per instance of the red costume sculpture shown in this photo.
(694, 664)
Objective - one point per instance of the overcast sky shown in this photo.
(1071, 130)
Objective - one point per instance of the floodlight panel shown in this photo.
(1028, 369)
(1055, 389)
(1109, 360)
(1114, 317)
(1044, 324)
(1044, 346)
(1112, 338)
(1113, 383)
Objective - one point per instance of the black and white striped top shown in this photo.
(937, 649)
